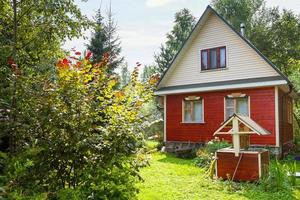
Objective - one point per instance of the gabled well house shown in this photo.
(217, 73)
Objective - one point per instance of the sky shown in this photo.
(143, 24)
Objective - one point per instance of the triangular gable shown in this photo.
(254, 128)
(202, 21)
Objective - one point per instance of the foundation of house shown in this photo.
(177, 146)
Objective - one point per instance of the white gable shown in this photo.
(243, 62)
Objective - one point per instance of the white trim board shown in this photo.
(222, 87)
(259, 165)
(277, 116)
(165, 118)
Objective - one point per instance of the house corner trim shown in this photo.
(165, 118)
(277, 116)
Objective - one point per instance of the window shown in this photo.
(213, 58)
(204, 63)
(193, 110)
(237, 105)
(223, 57)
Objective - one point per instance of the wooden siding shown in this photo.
(252, 166)
(262, 111)
(248, 169)
(242, 61)
(285, 128)
(265, 160)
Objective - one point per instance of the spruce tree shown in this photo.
(105, 40)
(183, 25)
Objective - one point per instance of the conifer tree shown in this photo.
(183, 25)
(105, 40)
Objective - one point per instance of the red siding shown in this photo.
(262, 110)
(286, 129)
(248, 167)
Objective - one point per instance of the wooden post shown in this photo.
(235, 136)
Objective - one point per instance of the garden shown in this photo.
(169, 177)
(82, 124)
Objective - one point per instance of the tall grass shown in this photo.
(281, 177)
(292, 168)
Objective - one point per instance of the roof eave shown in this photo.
(224, 87)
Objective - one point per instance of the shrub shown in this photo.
(204, 158)
(3, 159)
(69, 194)
(76, 131)
(206, 155)
(151, 145)
(216, 144)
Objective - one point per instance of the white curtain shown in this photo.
(198, 111)
(204, 59)
(222, 57)
(242, 106)
(213, 58)
(187, 111)
(229, 107)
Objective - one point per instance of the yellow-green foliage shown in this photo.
(77, 130)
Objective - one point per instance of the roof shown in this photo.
(272, 80)
(208, 10)
(247, 121)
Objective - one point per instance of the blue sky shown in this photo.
(143, 24)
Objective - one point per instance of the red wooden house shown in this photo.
(219, 72)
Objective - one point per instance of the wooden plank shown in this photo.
(247, 169)
(262, 111)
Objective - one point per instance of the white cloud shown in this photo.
(136, 39)
(140, 45)
(160, 3)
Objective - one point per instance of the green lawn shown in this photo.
(171, 178)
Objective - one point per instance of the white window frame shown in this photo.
(235, 97)
(183, 109)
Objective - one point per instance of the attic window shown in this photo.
(213, 58)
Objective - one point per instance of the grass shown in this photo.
(171, 178)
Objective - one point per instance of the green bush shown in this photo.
(20, 195)
(69, 194)
(3, 160)
(77, 132)
(151, 145)
(203, 158)
(206, 155)
(216, 144)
